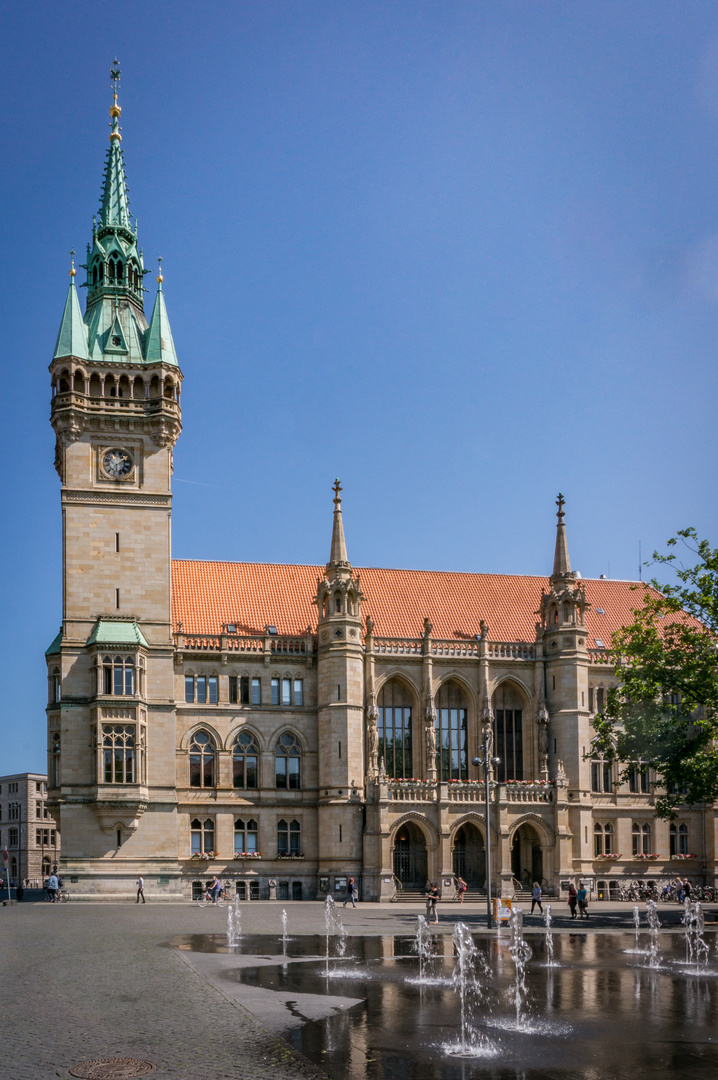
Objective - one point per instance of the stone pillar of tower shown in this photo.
(568, 734)
(116, 416)
(340, 721)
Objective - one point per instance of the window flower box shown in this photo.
(683, 857)
(204, 856)
(645, 858)
(248, 854)
(609, 857)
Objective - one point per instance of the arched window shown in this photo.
(641, 835)
(508, 733)
(601, 776)
(202, 836)
(394, 728)
(246, 837)
(603, 838)
(55, 686)
(679, 839)
(118, 753)
(451, 736)
(79, 382)
(337, 601)
(55, 761)
(46, 866)
(118, 675)
(201, 760)
(244, 761)
(289, 838)
(287, 758)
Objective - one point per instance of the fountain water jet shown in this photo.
(521, 953)
(234, 925)
(333, 927)
(422, 945)
(466, 982)
(693, 928)
(550, 962)
(654, 959)
(284, 932)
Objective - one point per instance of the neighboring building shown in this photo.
(27, 828)
(289, 726)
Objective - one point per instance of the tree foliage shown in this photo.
(664, 712)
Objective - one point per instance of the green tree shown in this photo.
(664, 712)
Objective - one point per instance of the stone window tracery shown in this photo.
(394, 728)
(287, 762)
(118, 753)
(603, 838)
(118, 675)
(678, 839)
(451, 733)
(202, 836)
(202, 760)
(246, 837)
(289, 838)
(642, 838)
(508, 733)
(245, 758)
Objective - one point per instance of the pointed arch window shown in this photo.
(118, 753)
(245, 757)
(508, 733)
(641, 835)
(202, 836)
(246, 837)
(452, 758)
(679, 839)
(118, 675)
(289, 838)
(394, 726)
(287, 762)
(202, 760)
(603, 838)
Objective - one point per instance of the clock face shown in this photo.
(117, 463)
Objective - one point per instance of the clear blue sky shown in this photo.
(462, 255)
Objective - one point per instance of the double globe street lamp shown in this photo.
(487, 762)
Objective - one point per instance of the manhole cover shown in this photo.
(112, 1069)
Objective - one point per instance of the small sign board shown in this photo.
(340, 884)
(323, 884)
(163, 880)
(447, 882)
(565, 886)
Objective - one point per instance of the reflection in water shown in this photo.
(604, 1014)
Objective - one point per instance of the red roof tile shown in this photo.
(207, 595)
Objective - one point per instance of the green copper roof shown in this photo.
(72, 339)
(159, 346)
(116, 632)
(54, 649)
(114, 205)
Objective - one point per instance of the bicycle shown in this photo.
(205, 899)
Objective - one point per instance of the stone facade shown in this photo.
(289, 727)
(27, 829)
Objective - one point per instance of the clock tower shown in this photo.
(116, 416)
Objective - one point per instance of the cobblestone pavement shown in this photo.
(83, 981)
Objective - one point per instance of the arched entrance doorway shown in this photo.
(410, 862)
(526, 856)
(470, 856)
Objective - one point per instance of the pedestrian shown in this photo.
(52, 886)
(432, 898)
(572, 899)
(583, 901)
(140, 889)
(679, 889)
(461, 888)
(213, 889)
(687, 889)
(536, 897)
(351, 893)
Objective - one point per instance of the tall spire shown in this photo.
(72, 338)
(114, 208)
(561, 560)
(159, 345)
(338, 556)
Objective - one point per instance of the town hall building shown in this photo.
(287, 727)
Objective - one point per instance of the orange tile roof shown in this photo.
(207, 595)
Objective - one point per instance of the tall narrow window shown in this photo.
(289, 838)
(246, 837)
(244, 761)
(201, 760)
(213, 688)
(256, 691)
(118, 753)
(287, 760)
(55, 764)
(118, 675)
(202, 836)
(394, 728)
(298, 692)
(201, 684)
(508, 733)
(275, 691)
(189, 688)
(451, 721)
(678, 839)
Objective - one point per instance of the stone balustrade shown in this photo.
(397, 646)
(600, 656)
(527, 792)
(412, 791)
(276, 644)
(416, 791)
(510, 650)
(455, 648)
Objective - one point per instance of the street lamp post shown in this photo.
(487, 762)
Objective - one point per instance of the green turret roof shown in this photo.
(159, 346)
(54, 648)
(116, 632)
(114, 328)
(72, 339)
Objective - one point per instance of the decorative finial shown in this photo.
(72, 259)
(560, 503)
(337, 488)
(115, 110)
(160, 279)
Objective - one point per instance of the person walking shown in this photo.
(432, 898)
(572, 899)
(461, 888)
(351, 893)
(583, 901)
(140, 889)
(687, 889)
(52, 886)
(536, 897)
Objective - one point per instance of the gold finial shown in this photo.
(115, 110)
(160, 279)
(73, 271)
(337, 487)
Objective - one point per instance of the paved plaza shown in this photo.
(92, 980)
